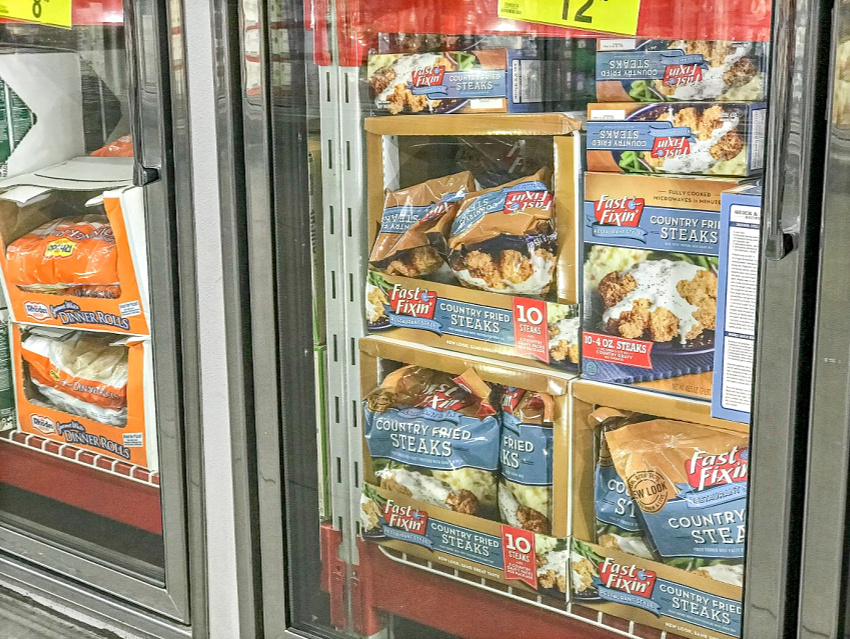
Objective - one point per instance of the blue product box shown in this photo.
(737, 297)
(487, 81)
(629, 70)
(651, 246)
(683, 138)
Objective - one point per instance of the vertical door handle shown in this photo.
(778, 241)
(138, 33)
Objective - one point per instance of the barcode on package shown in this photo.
(527, 81)
(130, 309)
(134, 440)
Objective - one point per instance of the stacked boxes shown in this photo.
(659, 484)
(74, 266)
(649, 489)
(674, 128)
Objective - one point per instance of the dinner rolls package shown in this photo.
(658, 515)
(92, 390)
(482, 261)
(460, 463)
(73, 247)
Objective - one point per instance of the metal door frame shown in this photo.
(157, 48)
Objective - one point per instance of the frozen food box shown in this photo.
(737, 298)
(92, 390)
(689, 138)
(629, 70)
(658, 514)
(650, 280)
(41, 110)
(73, 246)
(465, 463)
(488, 81)
(490, 271)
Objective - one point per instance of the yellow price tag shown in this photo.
(607, 16)
(56, 13)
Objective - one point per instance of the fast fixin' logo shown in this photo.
(406, 518)
(429, 76)
(670, 147)
(677, 75)
(415, 302)
(629, 579)
(705, 471)
(624, 211)
(519, 201)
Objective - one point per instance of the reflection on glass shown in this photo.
(78, 455)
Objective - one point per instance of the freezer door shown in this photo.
(793, 180)
(95, 498)
(825, 577)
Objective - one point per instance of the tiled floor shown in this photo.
(22, 620)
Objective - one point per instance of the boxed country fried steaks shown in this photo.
(688, 138)
(659, 510)
(485, 81)
(629, 70)
(481, 260)
(464, 463)
(650, 280)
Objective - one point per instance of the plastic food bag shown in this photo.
(66, 256)
(690, 484)
(415, 224)
(435, 438)
(526, 483)
(120, 148)
(83, 374)
(617, 523)
(504, 239)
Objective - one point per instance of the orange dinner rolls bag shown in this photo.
(66, 253)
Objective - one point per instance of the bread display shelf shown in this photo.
(81, 479)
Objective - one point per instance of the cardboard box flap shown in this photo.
(640, 401)
(22, 195)
(475, 124)
(552, 382)
(79, 174)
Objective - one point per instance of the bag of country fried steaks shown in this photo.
(617, 523)
(415, 224)
(525, 486)
(435, 438)
(690, 485)
(504, 239)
